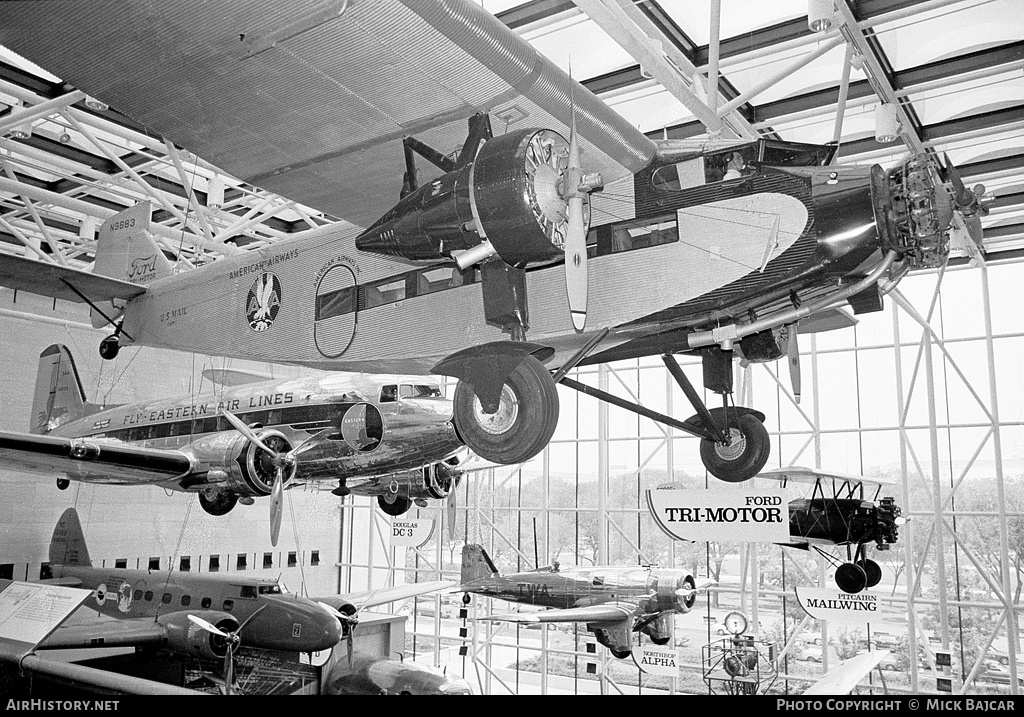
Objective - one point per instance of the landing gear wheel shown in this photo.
(63, 483)
(109, 347)
(661, 640)
(524, 422)
(217, 502)
(873, 571)
(744, 457)
(394, 504)
(466, 598)
(621, 654)
(851, 578)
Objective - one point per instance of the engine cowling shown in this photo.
(510, 194)
(240, 466)
(186, 637)
(674, 590)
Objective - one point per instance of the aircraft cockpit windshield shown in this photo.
(394, 392)
(738, 162)
(274, 589)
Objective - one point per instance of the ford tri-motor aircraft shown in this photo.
(614, 602)
(383, 435)
(839, 512)
(506, 260)
(201, 615)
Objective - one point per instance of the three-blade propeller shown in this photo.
(282, 462)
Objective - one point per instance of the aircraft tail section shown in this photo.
(59, 397)
(126, 251)
(476, 564)
(67, 547)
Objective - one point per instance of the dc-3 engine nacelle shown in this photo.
(239, 466)
(510, 195)
(184, 636)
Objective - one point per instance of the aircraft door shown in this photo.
(334, 323)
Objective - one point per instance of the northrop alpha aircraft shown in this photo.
(614, 602)
(552, 234)
(385, 435)
(838, 512)
(201, 615)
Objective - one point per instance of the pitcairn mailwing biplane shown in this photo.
(841, 510)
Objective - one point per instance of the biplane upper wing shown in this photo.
(312, 100)
(800, 474)
(89, 461)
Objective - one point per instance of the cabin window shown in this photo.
(248, 591)
(7, 571)
(388, 394)
(241, 562)
(214, 563)
(639, 234)
(181, 428)
(419, 391)
(598, 581)
(120, 563)
(268, 560)
(314, 557)
(291, 559)
(431, 280)
(186, 600)
(205, 603)
(45, 573)
(148, 596)
(166, 599)
(185, 564)
(335, 303)
(137, 595)
(274, 417)
(154, 563)
(228, 605)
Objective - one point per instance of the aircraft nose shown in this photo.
(297, 624)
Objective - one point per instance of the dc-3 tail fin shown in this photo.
(476, 564)
(59, 397)
(125, 251)
(67, 547)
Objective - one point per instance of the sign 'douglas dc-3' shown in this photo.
(717, 248)
(389, 436)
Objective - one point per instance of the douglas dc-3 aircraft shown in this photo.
(501, 263)
(201, 615)
(389, 436)
(838, 512)
(614, 602)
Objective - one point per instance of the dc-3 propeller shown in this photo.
(226, 682)
(282, 462)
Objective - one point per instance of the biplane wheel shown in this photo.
(524, 422)
(873, 571)
(217, 502)
(621, 654)
(394, 504)
(63, 483)
(109, 347)
(851, 578)
(744, 457)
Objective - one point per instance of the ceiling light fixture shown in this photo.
(887, 123)
(94, 104)
(819, 15)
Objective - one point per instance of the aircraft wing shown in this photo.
(312, 100)
(46, 279)
(91, 461)
(372, 598)
(842, 679)
(800, 474)
(112, 633)
(605, 612)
